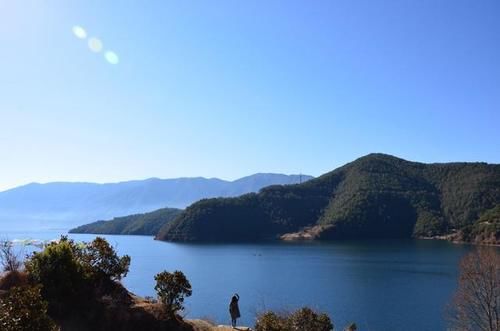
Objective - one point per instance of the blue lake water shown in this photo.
(380, 285)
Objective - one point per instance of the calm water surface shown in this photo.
(380, 285)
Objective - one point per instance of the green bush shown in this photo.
(61, 274)
(103, 261)
(70, 273)
(172, 289)
(23, 309)
(270, 321)
(304, 319)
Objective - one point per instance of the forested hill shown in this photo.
(138, 224)
(376, 196)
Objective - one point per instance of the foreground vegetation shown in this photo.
(376, 196)
(76, 286)
(476, 304)
(301, 320)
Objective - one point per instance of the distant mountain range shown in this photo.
(375, 196)
(64, 205)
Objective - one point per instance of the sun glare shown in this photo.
(95, 45)
(111, 57)
(79, 32)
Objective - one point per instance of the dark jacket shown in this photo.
(234, 309)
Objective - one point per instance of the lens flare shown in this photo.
(111, 57)
(79, 32)
(95, 45)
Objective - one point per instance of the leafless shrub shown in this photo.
(9, 259)
(476, 304)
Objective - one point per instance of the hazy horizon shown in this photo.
(99, 92)
(153, 178)
(204, 177)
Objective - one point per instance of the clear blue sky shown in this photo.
(229, 88)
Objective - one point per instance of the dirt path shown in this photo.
(201, 325)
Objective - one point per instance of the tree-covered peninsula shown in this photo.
(138, 224)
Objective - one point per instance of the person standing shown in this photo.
(234, 309)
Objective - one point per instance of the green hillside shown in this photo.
(485, 230)
(138, 224)
(376, 196)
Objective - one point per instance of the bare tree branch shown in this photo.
(476, 303)
(9, 259)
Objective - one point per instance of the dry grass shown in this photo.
(202, 325)
(13, 278)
